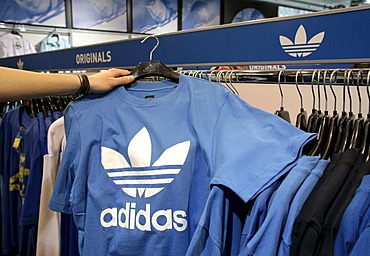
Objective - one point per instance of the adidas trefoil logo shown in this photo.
(300, 47)
(20, 64)
(139, 177)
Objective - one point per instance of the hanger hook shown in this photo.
(359, 73)
(318, 89)
(325, 93)
(350, 74)
(154, 48)
(281, 91)
(235, 91)
(296, 85)
(335, 72)
(312, 89)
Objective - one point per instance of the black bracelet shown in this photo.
(85, 84)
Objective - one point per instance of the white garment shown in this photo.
(48, 236)
(14, 45)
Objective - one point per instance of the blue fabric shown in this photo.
(22, 172)
(153, 159)
(51, 43)
(11, 201)
(57, 115)
(297, 203)
(349, 230)
(362, 245)
(365, 222)
(219, 234)
(267, 238)
(69, 236)
(256, 217)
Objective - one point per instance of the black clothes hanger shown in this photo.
(333, 123)
(358, 125)
(281, 112)
(301, 120)
(366, 136)
(154, 68)
(312, 118)
(343, 118)
(348, 127)
(322, 123)
(320, 115)
(14, 31)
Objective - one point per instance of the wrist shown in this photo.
(84, 84)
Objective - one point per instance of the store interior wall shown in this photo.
(267, 97)
(228, 10)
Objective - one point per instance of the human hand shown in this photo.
(107, 80)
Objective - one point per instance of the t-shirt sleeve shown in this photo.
(252, 148)
(60, 200)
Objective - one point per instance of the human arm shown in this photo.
(19, 84)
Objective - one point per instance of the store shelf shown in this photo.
(344, 35)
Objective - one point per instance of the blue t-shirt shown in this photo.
(22, 172)
(362, 244)
(349, 230)
(257, 215)
(297, 203)
(219, 233)
(11, 198)
(267, 238)
(138, 163)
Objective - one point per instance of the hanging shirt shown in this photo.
(297, 203)
(219, 233)
(361, 246)
(138, 165)
(335, 214)
(11, 198)
(51, 43)
(257, 215)
(350, 225)
(267, 238)
(309, 223)
(21, 169)
(14, 45)
(48, 235)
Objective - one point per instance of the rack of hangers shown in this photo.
(338, 129)
(47, 105)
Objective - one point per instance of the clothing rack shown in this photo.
(327, 37)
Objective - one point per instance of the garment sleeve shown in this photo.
(219, 233)
(60, 200)
(252, 148)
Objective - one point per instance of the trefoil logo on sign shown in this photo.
(140, 178)
(301, 47)
(20, 64)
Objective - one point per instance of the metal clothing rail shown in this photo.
(330, 37)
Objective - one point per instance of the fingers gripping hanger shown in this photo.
(153, 68)
(282, 113)
(358, 125)
(301, 120)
